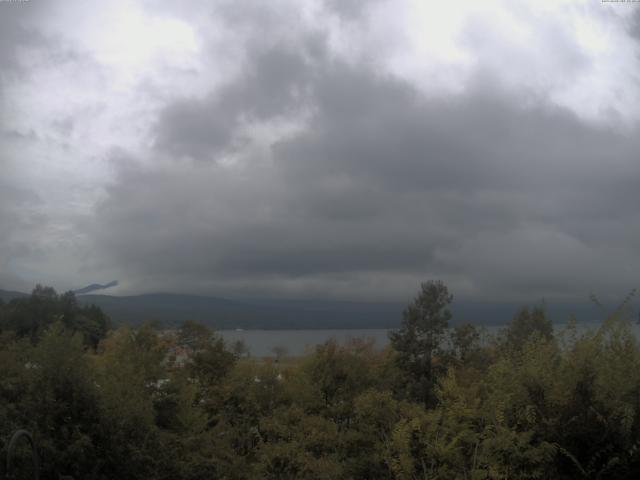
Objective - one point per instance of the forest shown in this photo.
(442, 401)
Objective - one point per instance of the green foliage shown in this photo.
(465, 343)
(340, 373)
(420, 338)
(527, 325)
(30, 317)
(529, 405)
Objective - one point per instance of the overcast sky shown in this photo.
(324, 149)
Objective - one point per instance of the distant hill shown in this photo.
(7, 295)
(220, 313)
(172, 309)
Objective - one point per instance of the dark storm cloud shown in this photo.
(16, 217)
(308, 167)
(16, 31)
(23, 236)
(19, 221)
(19, 32)
(483, 188)
(634, 25)
(351, 9)
(274, 84)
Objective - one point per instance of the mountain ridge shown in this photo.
(170, 309)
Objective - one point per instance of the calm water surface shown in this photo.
(297, 342)
(262, 342)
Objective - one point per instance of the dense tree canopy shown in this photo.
(30, 317)
(419, 340)
(154, 404)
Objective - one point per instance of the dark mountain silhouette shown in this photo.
(220, 313)
(7, 295)
(171, 309)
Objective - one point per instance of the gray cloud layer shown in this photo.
(310, 174)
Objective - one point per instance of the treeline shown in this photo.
(438, 403)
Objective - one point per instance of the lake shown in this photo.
(297, 342)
